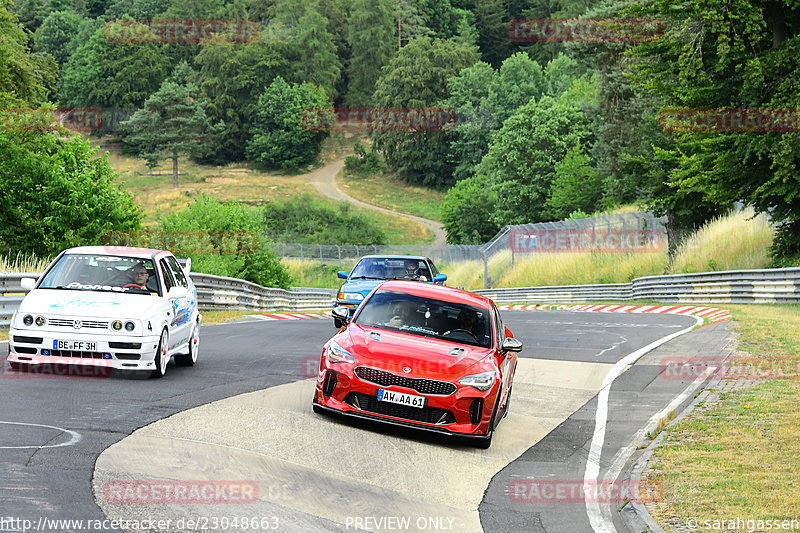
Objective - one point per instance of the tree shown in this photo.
(172, 123)
(111, 74)
(231, 78)
(58, 193)
(280, 138)
(25, 78)
(715, 56)
(371, 38)
(467, 211)
(56, 35)
(319, 63)
(576, 187)
(418, 78)
(524, 153)
(492, 27)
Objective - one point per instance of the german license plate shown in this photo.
(401, 398)
(76, 346)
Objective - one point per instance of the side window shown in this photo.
(434, 270)
(499, 330)
(180, 278)
(169, 281)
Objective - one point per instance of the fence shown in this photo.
(779, 285)
(213, 293)
(518, 239)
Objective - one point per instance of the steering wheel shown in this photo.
(133, 286)
(412, 277)
(463, 331)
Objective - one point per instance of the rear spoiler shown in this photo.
(186, 264)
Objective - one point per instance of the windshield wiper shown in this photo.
(365, 277)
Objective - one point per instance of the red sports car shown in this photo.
(430, 357)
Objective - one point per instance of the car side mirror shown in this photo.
(341, 316)
(439, 278)
(27, 284)
(177, 292)
(342, 274)
(510, 344)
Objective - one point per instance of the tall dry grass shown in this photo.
(736, 241)
(23, 263)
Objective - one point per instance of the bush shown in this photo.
(363, 163)
(306, 220)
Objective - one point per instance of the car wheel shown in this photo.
(194, 346)
(486, 441)
(161, 356)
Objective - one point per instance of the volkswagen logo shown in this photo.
(406, 369)
(77, 324)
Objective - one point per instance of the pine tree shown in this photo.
(371, 37)
(319, 63)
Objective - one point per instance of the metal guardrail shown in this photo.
(213, 293)
(779, 285)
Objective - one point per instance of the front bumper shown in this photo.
(449, 415)
(122, 352)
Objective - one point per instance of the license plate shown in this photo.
(77, 346)
(402, 398)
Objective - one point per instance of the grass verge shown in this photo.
(737, 458)
(390, 192)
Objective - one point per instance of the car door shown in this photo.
(505, 361)
(178, 329)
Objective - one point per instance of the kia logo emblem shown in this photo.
(77, 324)
(406, 369)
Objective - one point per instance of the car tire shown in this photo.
(189, 359)
(161, 359)
(486, 441)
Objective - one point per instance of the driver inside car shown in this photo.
(467, 320)
(137, 275)
(412, 271)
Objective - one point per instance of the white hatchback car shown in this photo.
(120, 308)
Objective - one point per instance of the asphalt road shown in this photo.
(44, 472)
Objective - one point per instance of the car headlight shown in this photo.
(351, 296)
(27, 320)
(129, 326)
(41, 321)
(337, 354)
(116, 325)
(482, 382)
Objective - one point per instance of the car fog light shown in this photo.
(40, 321)
(116, 325)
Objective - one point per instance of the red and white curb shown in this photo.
(713, 314)
(290, 316)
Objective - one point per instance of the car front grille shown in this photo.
(387, 379)
(76, 353)
(370, 404)
(68, 323)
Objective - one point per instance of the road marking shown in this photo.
(638, 438)
(74, 438)
(601, 418)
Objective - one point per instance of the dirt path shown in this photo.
(324, 179)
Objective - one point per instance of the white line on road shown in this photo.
(601, 417)
(74, 437)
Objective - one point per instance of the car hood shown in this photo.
(392, 351)
(88, 304)
(361, 285)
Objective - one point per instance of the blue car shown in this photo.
(372, 270)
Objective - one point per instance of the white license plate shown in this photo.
(401, 397)
(77, 346)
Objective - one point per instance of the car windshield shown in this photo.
(102, 273)
(391, 268)
(427, 317)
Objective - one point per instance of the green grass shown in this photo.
(390, 192)
(738, 458)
